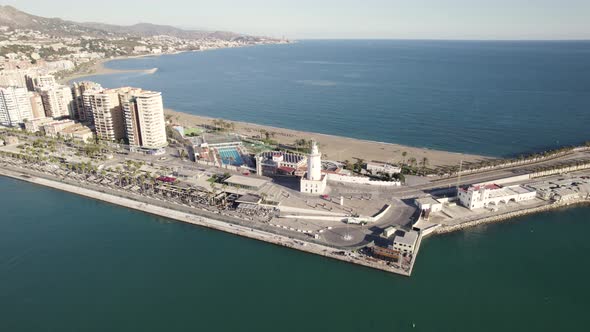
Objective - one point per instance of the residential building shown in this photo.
(44, 82)
(36, 125)
(15, 106)
(57, 100)
(55, 128)
(77, 132)
(14, 78)
(145, 126)
(80, 111)
(37, 105)
(107, 113)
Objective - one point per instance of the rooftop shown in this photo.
(409, 238)
(427, 200)
(249, 199)
(246, 181)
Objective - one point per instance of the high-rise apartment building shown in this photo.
(44, 82)
(57, 101)
(37, 105)
(145, 125)
(15, 106)
(80, 111)
(107, 113)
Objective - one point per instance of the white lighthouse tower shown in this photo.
(314, 182)
(314, 163)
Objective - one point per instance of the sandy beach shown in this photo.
(337, 147)
(333, 147)
(99, 68)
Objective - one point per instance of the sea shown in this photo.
(69, 263)
(496, 98)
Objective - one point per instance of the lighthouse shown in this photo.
(314, 182)
(314, 163)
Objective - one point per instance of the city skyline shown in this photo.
(330, 19)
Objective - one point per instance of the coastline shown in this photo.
(199, 220)
(334, 147)
(510, 215)
(99, 68)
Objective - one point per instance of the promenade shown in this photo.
(140, 203)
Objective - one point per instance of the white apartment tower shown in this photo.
(44, 82)
(37, 105)
(78, 89)
(145, 125)
(15, 106)
(57, 101)
(107, 113)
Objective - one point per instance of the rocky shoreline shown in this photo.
(509, 215)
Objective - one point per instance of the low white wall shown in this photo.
(360, 180)
(511, 179)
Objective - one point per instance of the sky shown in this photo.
(341, 19)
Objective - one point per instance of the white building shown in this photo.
(36, 125)
(13, 78)
(37, 105)
(57, 101)
(406, 242)
(481, 196)
(145, 125)
(107, 113)
(15, 106)
(429, 204)
(78, 89)
(283, 162)
(55, 128)
(389, 231)
(383, 168)
(44, 82)
(314, 182)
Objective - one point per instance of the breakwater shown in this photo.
(195, 219)
(510, 215)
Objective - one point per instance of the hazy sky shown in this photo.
(298, 19)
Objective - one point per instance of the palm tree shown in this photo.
(404, 154)
(423, 164)
(412, 161)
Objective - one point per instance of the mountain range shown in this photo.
(16, 19)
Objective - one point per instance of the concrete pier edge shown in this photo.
(198, 220)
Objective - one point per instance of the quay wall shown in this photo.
(280, 240)
(361, 180)
(510, 215)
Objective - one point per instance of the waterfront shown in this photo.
(452, 96)
(78, 264)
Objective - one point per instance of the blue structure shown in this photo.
(230, 156)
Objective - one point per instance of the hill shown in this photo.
(16, 19)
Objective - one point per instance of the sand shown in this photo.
(99, 68)
(337, 147)
(333, 147)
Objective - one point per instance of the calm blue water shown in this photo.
(493, 98)
(68, 263)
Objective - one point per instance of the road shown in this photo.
(439, 184)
